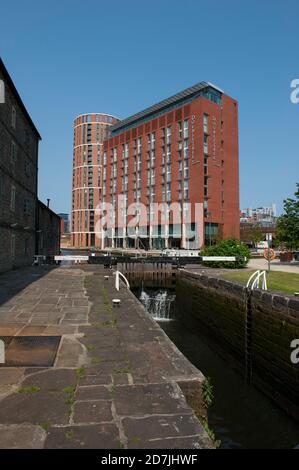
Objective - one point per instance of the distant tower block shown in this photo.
(90, 130)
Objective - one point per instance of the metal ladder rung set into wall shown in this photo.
(253, 283)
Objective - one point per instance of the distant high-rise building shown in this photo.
(259, 214)
(65, 226)
(90, 130)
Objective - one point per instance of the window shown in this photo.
(153, 140)
(13, 152)
(168, 135)
(13, 117)
(186, 128)
(205, 144)
(180, 130)
(13, 198)
(205, 123)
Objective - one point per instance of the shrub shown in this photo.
(227, 247)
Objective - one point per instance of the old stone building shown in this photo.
(48, 231)
(19, 141)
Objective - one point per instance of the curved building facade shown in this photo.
(90, 130)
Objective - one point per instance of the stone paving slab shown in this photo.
(26, 436)
(51, 379)
(117, 379)
(92, 412)
(163, 427)
(94, 436)
(34, 408)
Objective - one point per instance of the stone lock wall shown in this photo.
(218, 307)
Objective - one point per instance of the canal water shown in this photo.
(240, 416)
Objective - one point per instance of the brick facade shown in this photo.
(90, 130)
(182, 150)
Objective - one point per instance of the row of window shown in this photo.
(13, 246)
(166, 141)
(99, 118)
(28, 204)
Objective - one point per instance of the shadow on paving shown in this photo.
(13, 282)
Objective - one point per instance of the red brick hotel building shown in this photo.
(169, 175)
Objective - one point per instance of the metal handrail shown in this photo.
(118, 274)
(254, 280)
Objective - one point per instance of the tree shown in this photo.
(288, 223)
(227, 247)
(255, 235)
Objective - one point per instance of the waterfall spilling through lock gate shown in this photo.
(158, 304)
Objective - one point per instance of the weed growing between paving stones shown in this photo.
(29, 390)
(80, 372)
(45, 426)
(124, 370)
(210, 433)
(135, 440)
(207, 392)
(70, 401)
(87, 281)
(69, 435)
(107, 303)
(96, 360)
(112, 323)
(112, 390)
(71, 390)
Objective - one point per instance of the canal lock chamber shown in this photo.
(211, 333)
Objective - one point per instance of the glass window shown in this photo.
(205, 123)
(186, 128)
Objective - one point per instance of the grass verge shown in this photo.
(278, 281)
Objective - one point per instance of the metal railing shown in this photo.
(255, 278)
(119, 275)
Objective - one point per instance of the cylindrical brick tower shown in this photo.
(90, 130)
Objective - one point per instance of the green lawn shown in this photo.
(276, 280)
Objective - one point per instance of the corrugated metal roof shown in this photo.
(163, 104)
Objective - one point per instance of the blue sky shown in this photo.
(70, 57)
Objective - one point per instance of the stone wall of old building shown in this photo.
(18, 179)
(48, 231)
